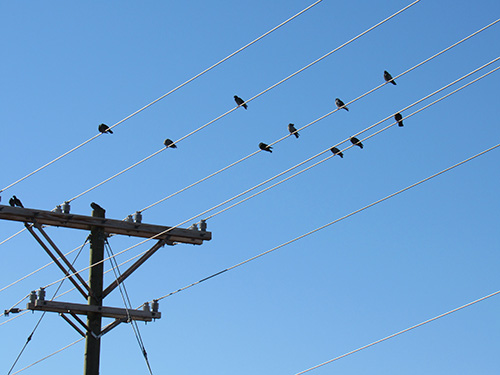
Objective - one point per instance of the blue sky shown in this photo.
(69, 67)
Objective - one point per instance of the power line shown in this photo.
(330, 223)
(347, 139)
(319, 119)
(247, 101)
(163, 96)
(400, 332)
(48, 356)
(451, 93)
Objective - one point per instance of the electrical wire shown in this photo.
(247, 101)
(319, 119)
(164, 95)
(400, 332)
(48, 356)
(11, 237)
(126, 298)
(300, 172)
(329, 224)
(347, 139)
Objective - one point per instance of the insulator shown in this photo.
(146, 306)
(65, 207)
(129, 219)
(194, 227)
(58, 209)
(203, 225)
(155, 305)
(138, 217)
(41, 294)
(32, 296)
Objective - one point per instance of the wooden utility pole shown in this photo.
(96, 277)
(94, 292)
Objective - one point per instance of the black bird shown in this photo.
(14, 201)
(169, 143)
(265, 147)
(240, 101)
(293, 131)
(95, 206)
(388, 77)
(103, 128)
(336, 151)
(356, 142)
(340, 104)
(399, 119)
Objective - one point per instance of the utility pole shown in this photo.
(96, 276)
(94, 292)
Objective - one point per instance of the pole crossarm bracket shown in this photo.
(104, 311)
(56, 261)
(133, 267)
(110, 226)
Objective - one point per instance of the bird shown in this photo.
(169, 143)
(388, 77)
(103, 128)
(95, 206)
(14, 201)
(355, 141)
(336, 151)
(340, 104)
(240, 101)
(292, 130)
(399, 119)
(265, 147)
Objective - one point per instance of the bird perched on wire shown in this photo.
(96, 207)
(292, 130)
(169, 143)
(336, 151)
(340, 104)
(388, 77)
(14, 201)
(356, 142)
(103, 128)
(265, 147)
(399, 119)
(240, 102)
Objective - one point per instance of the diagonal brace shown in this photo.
(61, 255)
(56, 261)
(133, 267)
(112, 325)
(72, 324)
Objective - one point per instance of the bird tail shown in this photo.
(393, 82)
(400, 123)
(296, 135)
(341, 155)
(110, 131)
(244, 106)
(360, 145)
(347, 109)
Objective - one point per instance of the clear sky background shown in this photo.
(67, 67)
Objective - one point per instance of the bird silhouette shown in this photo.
(399, 119)
(336, 151)
(265, 147)
(95, 206)
(340, 104)
(240, 101)
(169, 143)
(14, 201)
(388, 77)
(356, 142)
(103, 128)
(292, 130)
